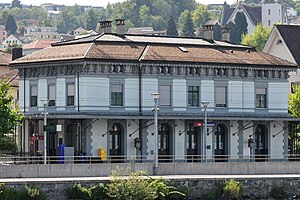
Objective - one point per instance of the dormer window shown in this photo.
(279, 42)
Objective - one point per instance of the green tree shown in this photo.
(172, 27)
(257, 38)
(10, 25)
(91, 20)
(201, 15)
(294, 102)
(186, 24)
(238, 28)
(16, 3)
(9, 115)
(145, 16)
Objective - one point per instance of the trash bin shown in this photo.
(60, 153)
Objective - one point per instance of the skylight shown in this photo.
(183, 49)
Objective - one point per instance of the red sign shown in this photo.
(198, 124)
(37, 138)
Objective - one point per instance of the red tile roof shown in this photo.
(38, 44)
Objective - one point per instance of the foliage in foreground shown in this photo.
(228, 190)
(134, 187)
(278, 192)
(28, 193)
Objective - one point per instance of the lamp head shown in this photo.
(45, 102)
(155, 95)
(205, 103)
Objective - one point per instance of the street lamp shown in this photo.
(45, 103)
(155, 110)
(205, 104)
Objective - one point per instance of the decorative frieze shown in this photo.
(154, 69)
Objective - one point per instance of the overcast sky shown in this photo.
(95, 2)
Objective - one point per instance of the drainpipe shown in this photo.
(140, 96)
(78, 109)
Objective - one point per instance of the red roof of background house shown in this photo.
(38, 44)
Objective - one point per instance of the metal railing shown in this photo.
(26, 160)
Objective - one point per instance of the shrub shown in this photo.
(278, 192)
(214, 193)
(99, 191)
(137, 186)
(29, 193)
(232, 189)
(79, 192)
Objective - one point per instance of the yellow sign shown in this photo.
(102, 153)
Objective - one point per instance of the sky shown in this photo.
(98, 2)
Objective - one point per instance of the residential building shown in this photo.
(36, 45)
(269, 13)
(99, 90)
(145, 31)
(3, 34)
(79, 31)
(12, 41)
(42, 33)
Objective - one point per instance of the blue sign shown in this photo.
(210, 124)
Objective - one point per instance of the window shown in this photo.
(70, 94)
(33, 96)
(279, 42)
(261, 98)
(51, 95)
(193, 96)
(117, 95)
(269, 23)
(165, 95)
(221, 97)
(269, 12)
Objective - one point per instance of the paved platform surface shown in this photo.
(170, 177)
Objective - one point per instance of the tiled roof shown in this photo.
(291, 36)
(11, 77)
(255, 13)
(5, 58)
(38, 44)
(162, 49)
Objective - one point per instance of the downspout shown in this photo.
(78, 108)
(24, 110)
(141, 58)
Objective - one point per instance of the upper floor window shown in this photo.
(221, 96)
(261, 98)
(269, 12)
(269, 23)
(165, 95)
(51, 95)
(116, 95)
(70, 94)
(193, 96)
(279, 42)
(33, 96)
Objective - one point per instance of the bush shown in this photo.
(278, 192)
(137, 186)
(79, 192)
(28, 193)
(214, 193)
(99, 191)
(232, 189)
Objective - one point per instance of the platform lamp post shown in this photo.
(205, 104)
(155, 110)
(45, 103)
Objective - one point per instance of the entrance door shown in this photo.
(164, 144)
(261, 143)
(115, 143)
(220, 144)
(192, 144)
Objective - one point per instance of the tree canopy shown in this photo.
(294, 102)
(186, 24)
(238, 28)
(9, 115)
(172, 27)
(257, 38)
(10, 25)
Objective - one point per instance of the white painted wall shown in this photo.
(21, 95)
(276, 14)
(149, 86)
(61, 94)
(150, 141)
(208, 93)
(233, 140)
(278, 97)
(42, 93)
(94, 93)
(99, 128)
(248, 96)
(276, 144)
(180, 140)
(235, 96)
(131, 151)
(131, 94)
(179, 99)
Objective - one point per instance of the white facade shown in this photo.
(273, 13)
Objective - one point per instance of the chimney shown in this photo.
(105, 26)
(208, 32)
(17, 53)
(226, 34)
(120, 29)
